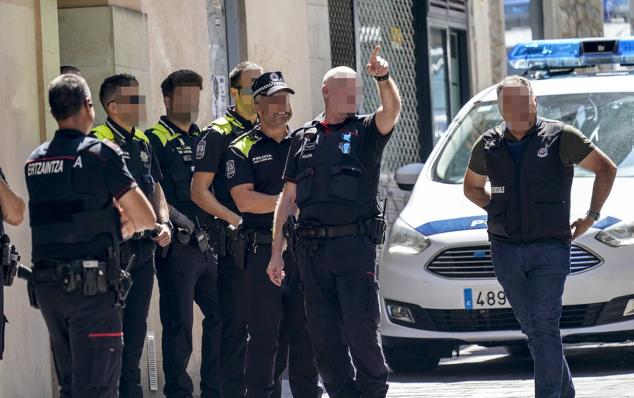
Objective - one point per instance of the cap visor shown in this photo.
(276, 89)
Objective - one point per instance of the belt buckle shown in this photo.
(90, 264)
(321, 232)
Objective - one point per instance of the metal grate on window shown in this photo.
(391, 24)
(342, 34)
(450, 5)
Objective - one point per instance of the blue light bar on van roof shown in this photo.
(572, 53)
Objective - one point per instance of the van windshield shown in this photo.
(606, 118)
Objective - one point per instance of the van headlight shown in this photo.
(617, 235)
(406, 240)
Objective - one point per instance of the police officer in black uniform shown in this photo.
(188, 273)
(332, 176)
(120, 98)
(82, 202)
(216, 201)
(254, 166)
(12, 207)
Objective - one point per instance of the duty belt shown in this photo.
(87, 276)
(259, 238)
(332, 231)
(46, 271)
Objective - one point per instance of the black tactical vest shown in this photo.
(530, 198)
(332, 174)
(67, 211)
(177, 176)
(137, 155)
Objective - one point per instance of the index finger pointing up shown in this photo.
(375, 53)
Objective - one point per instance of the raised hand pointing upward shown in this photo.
(377, 66)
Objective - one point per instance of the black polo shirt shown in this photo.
(171, 157)
(124, 138)
(212, 149)
(257, 159)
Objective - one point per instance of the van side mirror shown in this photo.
(407, 175)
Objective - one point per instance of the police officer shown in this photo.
(82, 202)
(12, 207)
(529, 163)
(120, 98)
(188, 272)
(216, 201)
(254, 167)
(332, 176)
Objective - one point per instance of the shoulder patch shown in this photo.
(491, 138)
(200, 149)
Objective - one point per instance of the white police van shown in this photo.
(438, 288)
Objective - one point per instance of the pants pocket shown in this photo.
(358, 296)
(106, 353)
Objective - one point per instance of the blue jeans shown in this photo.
(533, 278)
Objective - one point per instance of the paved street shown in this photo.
(604, 371)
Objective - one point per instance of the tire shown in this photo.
(411, 364)
(518, 350)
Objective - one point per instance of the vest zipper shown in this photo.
(518, 198)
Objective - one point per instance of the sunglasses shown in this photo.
(129, 99)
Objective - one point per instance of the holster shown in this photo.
(378, 226)
(30, 291)
(10, 260)
(219, 236)
(289, 230)
(239, 247)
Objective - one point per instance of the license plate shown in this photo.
(484, 297)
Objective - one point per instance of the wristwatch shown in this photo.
(595, 215)
(381, 78)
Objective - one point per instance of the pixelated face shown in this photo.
(185, 103)
(343, 92)
(518, 107)
(275, 111)
(130, 105)
(244, 93)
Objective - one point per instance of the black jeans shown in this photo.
(233, 312)
(266, 358)
(186, 276)
(342, 308)
(86, 338)
(135, 316)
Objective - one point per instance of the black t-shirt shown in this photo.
(212, 149)
(257, 159)
(369, 149)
